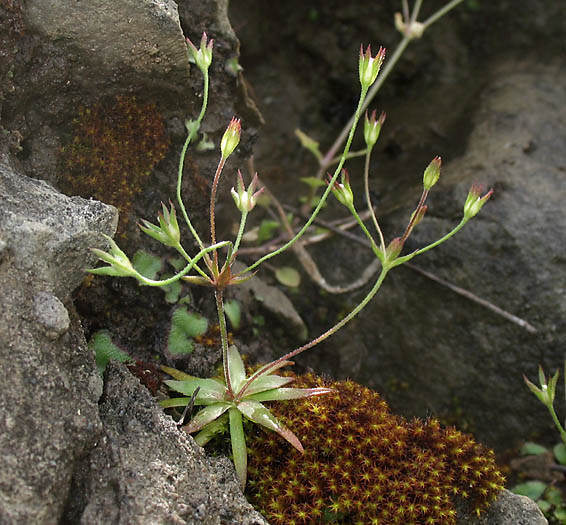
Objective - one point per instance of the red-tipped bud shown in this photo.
(231, 138)
(474, 201)
(342, 191)
(372, 128)
(369, 66)
(432, 173)
(202, 56)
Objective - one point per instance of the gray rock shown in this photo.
(509, 509)
(50, 312)
(144, 36)
(426, 348)
(48, 406)
(49, 235)
(272, 300)
(146, 471)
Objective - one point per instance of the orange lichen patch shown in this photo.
(363, 464)
(113, 150)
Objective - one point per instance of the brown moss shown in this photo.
(113, 150)
(364, 465)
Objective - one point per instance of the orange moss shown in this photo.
(364, 465)
(113, 150)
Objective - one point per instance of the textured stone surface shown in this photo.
(426, 348)
(146, 471)
(509, 509)
(48, 405)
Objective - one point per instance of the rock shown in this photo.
(145, 470)
(509, 509)
(48, 406)
(426, 348)
(272, 300)
(46, 232)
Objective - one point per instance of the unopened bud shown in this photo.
(343, 191)
(231, 138)
(369, 66)
(202, 56)
(474, 201)
(394, 249)
(372, 128)
(432, 173)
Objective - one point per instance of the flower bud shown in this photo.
(245, 200)
(120, 265)
(474, 201)
(202, 56)
(343, 191)
(369, 66)
(546, 392)
(167, 232)
(231, 138)
(394, 249)
(432, 173)
(372, 128)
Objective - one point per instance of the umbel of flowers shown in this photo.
(364, 465)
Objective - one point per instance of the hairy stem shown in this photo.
(369, 203)
(213, 204)
(186, 269)
(324, 195)
(265, 369)
(190, 136)
(223, 337)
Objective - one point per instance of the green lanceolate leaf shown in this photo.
(174, 402)
(236, 368)
(206, 416)
(177, 374)
(267, 383)
(211, 390)
(260, 415)
(285, 394)
(238, 440)
(218, 426)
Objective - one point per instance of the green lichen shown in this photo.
(364, 465)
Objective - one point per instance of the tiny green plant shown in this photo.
(236, 396)
(550, 497)
(546, 394)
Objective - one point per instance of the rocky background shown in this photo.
(77, 449)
